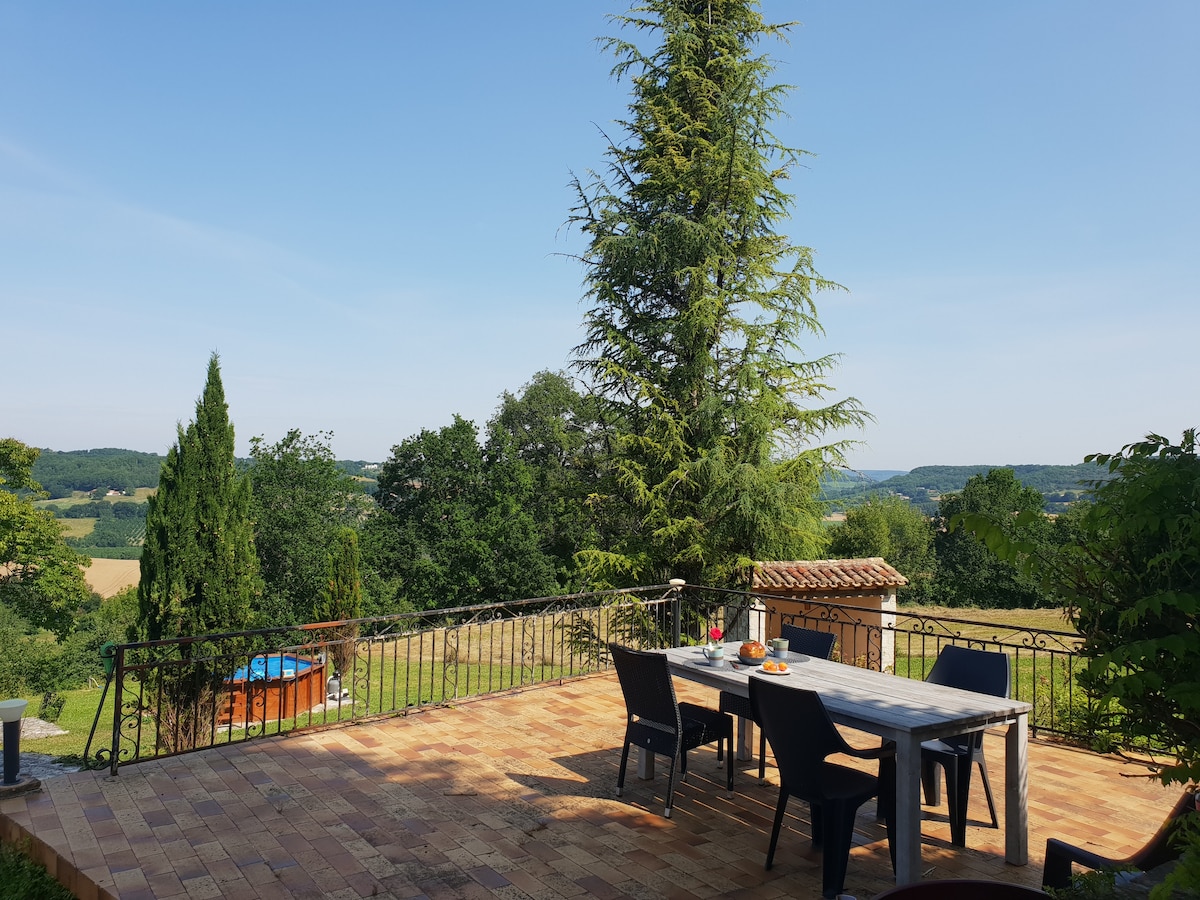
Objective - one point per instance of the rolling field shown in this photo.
(111, 576)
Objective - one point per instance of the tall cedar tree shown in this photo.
(698, 307)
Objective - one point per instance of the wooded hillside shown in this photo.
(923, 485)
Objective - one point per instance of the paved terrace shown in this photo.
(509, 796)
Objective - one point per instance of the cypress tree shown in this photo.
(342, 598)
(199, 571)
(698, 306)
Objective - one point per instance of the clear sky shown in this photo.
(360, 207)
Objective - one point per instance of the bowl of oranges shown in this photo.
(775, 667)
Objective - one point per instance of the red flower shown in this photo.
(715, 634)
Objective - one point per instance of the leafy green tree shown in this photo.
(891, 527)
(698, 305)
(967, 573)
(461, 531)
(300, 499)
(199, 571)
(1131, 585)
(558, 434)
(41, 577)
(341, 597)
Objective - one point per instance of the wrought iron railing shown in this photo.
(168, 697)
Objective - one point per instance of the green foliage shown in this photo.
(341, 597)
(698, 303)
(301, 498)
(458, 530)
(112, 532)
(1130, 580)
(923, 486)
(32, 663)
(894, 529)
(557, 433)
(23, 879)
(105, 469)
(968, 574)
(199, 571)
(41, 577)
(1184, 878)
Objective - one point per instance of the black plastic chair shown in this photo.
(658, 723)
(982, 671)
(808, 641)
(1160, 849)
(802, 736)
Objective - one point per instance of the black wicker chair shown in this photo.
(1160, 849)
(658, 723)
(808, 641)
(982, 671)
(802, 736)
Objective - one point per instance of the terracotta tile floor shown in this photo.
(513, 797)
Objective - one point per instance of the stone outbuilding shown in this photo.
(864, 591)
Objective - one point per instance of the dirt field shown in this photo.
(110, 576)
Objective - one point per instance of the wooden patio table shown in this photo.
(897, 709)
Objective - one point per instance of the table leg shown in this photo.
(1016, 792)
(645, 763)
(745, 739)
(908, 810)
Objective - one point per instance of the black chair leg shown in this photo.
(930, 783)
(762, 756)
(671, 789)
(780, 808)
(987, 789)
(729, 767)
(839, 825)
(621, 770)
(958, 788)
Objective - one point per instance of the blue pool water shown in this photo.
(270, 667)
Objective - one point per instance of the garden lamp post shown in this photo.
(11, 712)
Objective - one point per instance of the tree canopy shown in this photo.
(1131, 583)
(41, 577)
(698, 305)
(458, 530)
(894, 529)
(968, 575)
(300, 499)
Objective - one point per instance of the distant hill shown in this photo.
(64, 472)
(1060, 485)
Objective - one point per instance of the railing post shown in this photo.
(118, 694)
(676, 611)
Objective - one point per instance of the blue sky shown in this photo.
(361, 207)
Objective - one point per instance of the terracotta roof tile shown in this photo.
(826, 575)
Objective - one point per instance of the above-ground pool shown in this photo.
(266, 667)
(272, 687)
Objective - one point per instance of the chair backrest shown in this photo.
(800, 732)
(808, 641)
(646, 683)
(982, 671)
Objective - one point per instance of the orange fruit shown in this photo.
(783, 667)
(770, 666)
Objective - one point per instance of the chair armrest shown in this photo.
(871, 752)
(1061, 850)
